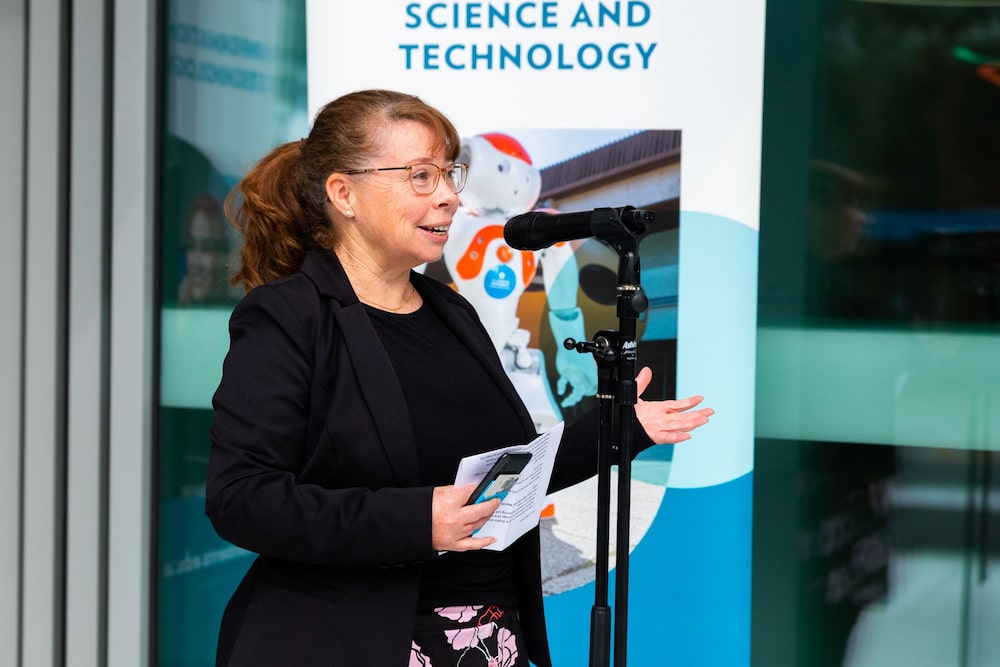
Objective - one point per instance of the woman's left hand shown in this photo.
(668, 421)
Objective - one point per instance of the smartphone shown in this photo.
(501, 477)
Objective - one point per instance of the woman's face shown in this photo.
(396, 226)
(204, 256)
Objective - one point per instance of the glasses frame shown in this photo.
(410, 167)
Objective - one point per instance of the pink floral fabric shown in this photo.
(468, 636)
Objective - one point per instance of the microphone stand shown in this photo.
(615, 353)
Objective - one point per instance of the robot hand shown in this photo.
(577, 375)
(576, 371)
(518, 344)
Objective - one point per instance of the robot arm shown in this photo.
(577, 372)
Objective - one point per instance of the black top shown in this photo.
(435, 369)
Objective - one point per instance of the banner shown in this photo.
(605, 104)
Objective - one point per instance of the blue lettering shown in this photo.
(430, 17)
(581, 16)
(488, 56)
(236, 45)
(470, 55)
(604, 13)
(412, 11)
(210, 73)
(447, 56)
(497, 15)
(619, 61)
(431, 56)
(472, 15)
(180, 32)
(598, 56)
(645, 54)
(408, 50)
(562, 58)
(183, 67)
(634, 22)
(546, 54)
(637, 14)
(513, 57)
(520, 11)
(549, 15)
(476, 15)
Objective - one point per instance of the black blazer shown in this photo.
(313, 465)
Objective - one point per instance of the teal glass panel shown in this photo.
(891, 387)
(234, 86)
(876, 483)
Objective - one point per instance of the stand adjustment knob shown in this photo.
(640, 302)
(600, 348)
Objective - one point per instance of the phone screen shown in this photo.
(501, 478)
(498, 488)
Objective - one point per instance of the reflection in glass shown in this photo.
(207, 254)
(879, 343)
(234, 85)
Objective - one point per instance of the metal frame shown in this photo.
(77, 129)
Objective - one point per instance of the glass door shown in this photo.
(878, 407)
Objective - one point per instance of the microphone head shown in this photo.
(517, 230)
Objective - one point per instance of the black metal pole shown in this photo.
(615, 353)
(629, 294)
(600, 615)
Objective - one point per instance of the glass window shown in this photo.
(878, 413)
(234, 87)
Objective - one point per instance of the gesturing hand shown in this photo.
(668, 421)
(453, 522)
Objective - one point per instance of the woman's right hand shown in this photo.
(453, 522)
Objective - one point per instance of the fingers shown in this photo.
(677, 428)
(479, 513)
(473, 518)
(684, 403)
(642, 380)
(670, 422)
(472, 543)
(454, 523)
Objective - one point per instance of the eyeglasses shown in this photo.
(424, 176)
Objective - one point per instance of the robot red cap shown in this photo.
(508, 145)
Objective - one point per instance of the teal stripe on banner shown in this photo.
(716, 348)
(689, 589)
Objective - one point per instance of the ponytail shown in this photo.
(278, 216)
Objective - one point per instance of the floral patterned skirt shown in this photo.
(470, 636)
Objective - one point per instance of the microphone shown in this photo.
(537, 230)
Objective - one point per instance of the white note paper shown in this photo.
(520, 510)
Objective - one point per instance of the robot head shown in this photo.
(502, 179)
